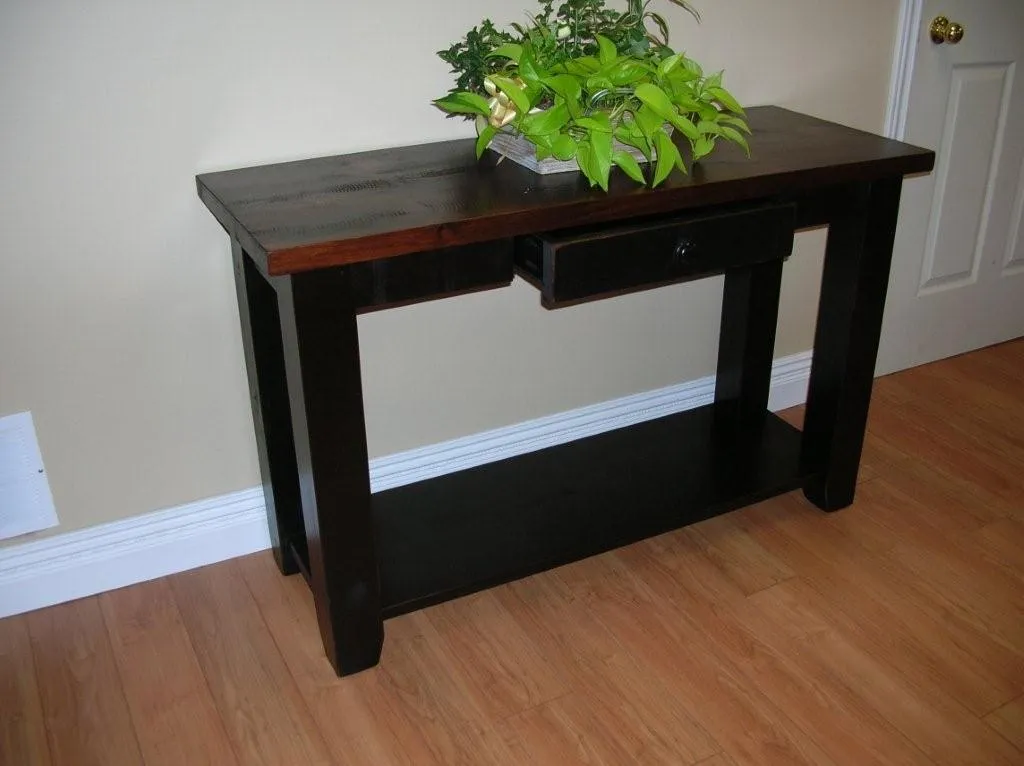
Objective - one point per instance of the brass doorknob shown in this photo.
(943, 30)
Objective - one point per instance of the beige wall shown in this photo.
(118, 327)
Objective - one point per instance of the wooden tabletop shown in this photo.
(298, 216)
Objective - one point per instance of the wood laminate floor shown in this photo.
(889, 633)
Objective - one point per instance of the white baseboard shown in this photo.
(108, 556)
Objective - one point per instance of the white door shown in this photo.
(958, 264)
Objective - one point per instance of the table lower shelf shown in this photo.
(463, 532)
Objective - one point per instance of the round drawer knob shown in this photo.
(685, 248)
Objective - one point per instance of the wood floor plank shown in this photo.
(568, 730)
(952, 536)
(949, 734)
(945, 488)
(1009, 721)
(964, 507)
(436, 696)
(502, 665)
(979, 413)
(746, 724)
(22, 728)
(821, 704)
(947, 561)
(650, 718)
(933, 440)
(718, 760)
(996, 367)
(87, 718)
(264, 714)
(895, 617)
(1002, 542)
(740, 557)
(174, 713)
(362, 718)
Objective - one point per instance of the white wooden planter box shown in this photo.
(522, 152)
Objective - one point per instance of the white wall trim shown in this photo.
(904, 51)
(108, 556)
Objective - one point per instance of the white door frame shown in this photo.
(904, 52)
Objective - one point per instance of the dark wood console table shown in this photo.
(315, 242)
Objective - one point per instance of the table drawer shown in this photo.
(574, 265)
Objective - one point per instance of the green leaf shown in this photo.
(739, 122)
(508, 50)
(597, 122)
(627, 73)
(534, 90)
(607, 52)
(601, 143)
(543, 152)
(585, 159)
(585, 65)
(629, 165)
(541, 139)
(599, 82)
(563, 146)
(544, 123)
(686, 103)
(656, 99)
(565, 85)
(709, 113)
(704, 126)
(464, 102)
(529, 70)
(668, 157)
(702, 147)
(484, 139)
(648, 121)
(668, 64)
(686, 126)
(736, 137)
(513, 91)
(576, 107)
(692, 66)
(726, 99)
(682, 75)
(713, 81)
(625, 136)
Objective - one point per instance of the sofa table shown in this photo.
(316, 242)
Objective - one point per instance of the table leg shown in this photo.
(746, 346)
(321, 352)
(268, 394)
(854, 284)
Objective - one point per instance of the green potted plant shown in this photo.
(594, 87)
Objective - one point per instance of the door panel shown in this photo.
(1015, 248)
(958, 272)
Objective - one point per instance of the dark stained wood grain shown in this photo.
(849, 325)
(325, 238)
(321, 359)
(455, 534)
(260, 324)
(315, 213)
